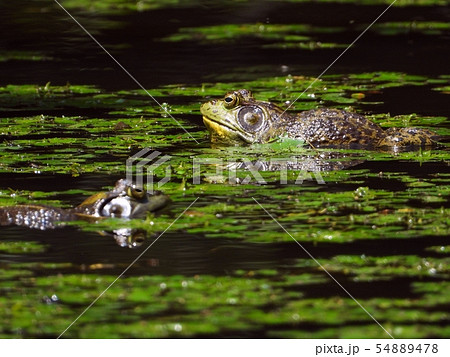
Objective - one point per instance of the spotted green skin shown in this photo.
(98, 206)
(239, 117)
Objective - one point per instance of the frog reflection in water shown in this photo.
(124, 201)
(239, 117)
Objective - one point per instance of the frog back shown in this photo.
(34, 216)
(333, 127)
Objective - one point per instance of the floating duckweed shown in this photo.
(364, 227)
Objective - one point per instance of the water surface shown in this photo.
(225, 268)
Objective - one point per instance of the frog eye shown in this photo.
(136, 239)
(231, 100)
(251, 118)
(137, 193)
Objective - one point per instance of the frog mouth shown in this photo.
(218, 126)
(225, 131)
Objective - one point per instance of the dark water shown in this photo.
(134, 39)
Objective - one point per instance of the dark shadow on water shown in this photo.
(135, 40)
(177, 253)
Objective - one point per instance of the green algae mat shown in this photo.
(225, 267)
(289, 252)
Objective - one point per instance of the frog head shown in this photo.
(125, 200)
(238, 118)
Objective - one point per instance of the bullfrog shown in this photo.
(125, 200)
(239, 117)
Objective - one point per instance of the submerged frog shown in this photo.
(124, 201)
(239, 117)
